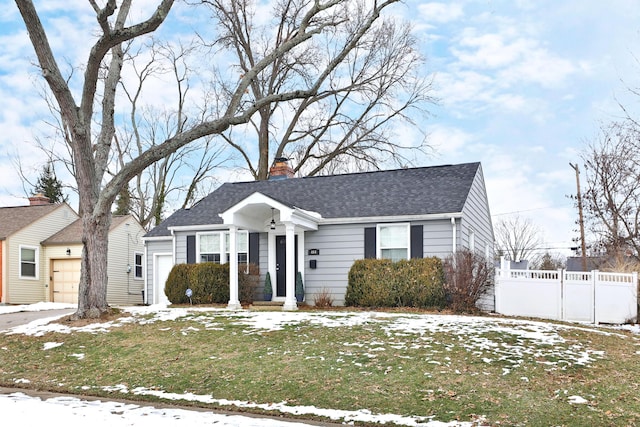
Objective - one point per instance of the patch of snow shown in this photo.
(50, 345)
(40, 306)
(577, 400)
(79, 356)
(32, 411)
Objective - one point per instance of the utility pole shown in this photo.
(584, 247)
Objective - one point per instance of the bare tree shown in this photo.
(346, 124)
(90, 124)
(612, 195)
(183, 175)
(518, 238)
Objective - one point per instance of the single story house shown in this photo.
(40, 255)
(320, 225)
(125, 266)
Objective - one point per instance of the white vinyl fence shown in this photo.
(595, 296)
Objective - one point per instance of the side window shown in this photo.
(28, 262)
(393, 241)
(137, 267)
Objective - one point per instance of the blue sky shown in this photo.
(522, 86)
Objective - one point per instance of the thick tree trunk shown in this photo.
(92, 294)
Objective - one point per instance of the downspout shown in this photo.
(453, 225)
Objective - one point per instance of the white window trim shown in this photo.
(392, 224)
(472, 240)
(37, 262)
(141, 265)
(222, 250)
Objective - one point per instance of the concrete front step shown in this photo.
(266, 305)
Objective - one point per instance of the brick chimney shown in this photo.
(280, 169)
(38, 200)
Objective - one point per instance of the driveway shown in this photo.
(10, 320)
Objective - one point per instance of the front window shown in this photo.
(393, 241)
(28, 262)
(211, 250)
(137, 268)
(242, 246)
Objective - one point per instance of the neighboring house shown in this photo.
(41, 249)
(125, 257)
(320, 225)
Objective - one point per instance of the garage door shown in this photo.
(66, 277)
(163, 263)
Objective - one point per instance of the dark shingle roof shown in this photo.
(72, 233)
(13, 219)
(415, 191)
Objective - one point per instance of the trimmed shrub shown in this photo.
(178, 281)
(468, 277)
(369, 284)
(419, 282)
(383, 283)
(210, 283)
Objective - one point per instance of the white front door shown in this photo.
(161, 269)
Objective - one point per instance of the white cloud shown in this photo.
(440, 12)
(447, 141)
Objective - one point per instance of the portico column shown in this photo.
(290, 299)
(234, 303)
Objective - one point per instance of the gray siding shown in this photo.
(339, 246)
(154, 247)
(181, 246)
(263, 263)
(438, 237)
(477, 219)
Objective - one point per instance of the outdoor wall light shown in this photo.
(128, 268)
(68, 252)
(273, 223)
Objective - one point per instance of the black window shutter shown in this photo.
(191, 249)
(416, 242)
(370, 242)
(254, 248)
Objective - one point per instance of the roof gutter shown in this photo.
(398, 218)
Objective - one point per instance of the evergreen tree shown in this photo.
(123, 202)
(49, 185)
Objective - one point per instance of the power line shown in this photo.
(529, 210)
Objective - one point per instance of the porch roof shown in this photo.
(400, 192)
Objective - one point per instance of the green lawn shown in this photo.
(511, 372)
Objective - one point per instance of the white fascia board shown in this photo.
(399, 218)
(156, 238)
(255, 199)
(198, 227)
(310, 214)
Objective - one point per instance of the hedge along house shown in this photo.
(320, 225)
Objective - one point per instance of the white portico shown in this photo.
(260, 213)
